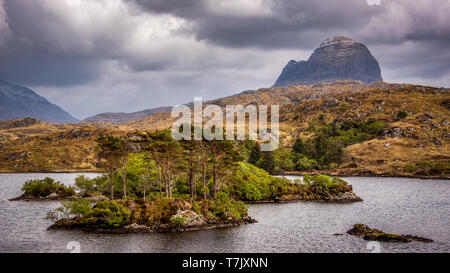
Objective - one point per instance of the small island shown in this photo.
(372, 234)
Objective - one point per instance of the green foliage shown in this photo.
(410, 168)
(69, 209)
(250, 183)
(85, 185)
(284, 160)
(179, 221)
(255, 154)
(182, 186)
(326, 147)
(326, 185)
(46, 186)
(306, 164)
(92, 186)
(402, 114)
(225, 208)
(428, 168)
(299, 146)
(108, 214)
(267, 162)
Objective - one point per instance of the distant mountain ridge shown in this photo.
(338, 58)
(125, 117)
(17, 102)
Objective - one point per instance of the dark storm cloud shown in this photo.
(85, 54)
(304, 23)
(287, 24)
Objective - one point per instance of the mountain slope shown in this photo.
(18, 102)
(125, 117)
(338, 58)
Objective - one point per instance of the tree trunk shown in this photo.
(204, 178)
(159, 182)
(111, 184)
(214, 182)
(191, 179)
(166, 188)
(125, 178)
(169, 180)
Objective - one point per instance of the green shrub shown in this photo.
(46, 186)
(401, 114)
(85, 185)
(250, 183)
(410, 168)
(224, 207)
(178, 220)
(69, 209)
(325, 185)
(108, 214)
(306, 164)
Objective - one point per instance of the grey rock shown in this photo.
(338, 58)
(52, 195)
(192, 218)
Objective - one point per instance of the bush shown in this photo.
(224, 207)
(69, 209)
(85, 185)
(401, 114)
(306, 164)
(108, 214)
(325, 185)
(409, 168)
(46, 186)
(179, 221)
(250, 183)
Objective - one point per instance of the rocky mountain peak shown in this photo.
(337, 58)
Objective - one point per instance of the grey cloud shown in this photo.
(163, 52)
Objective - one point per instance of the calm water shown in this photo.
(397, 205)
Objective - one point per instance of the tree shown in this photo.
(299, 146)
(166, 152)
(255, 154)
(267, 162)
(111, 149)
(223, 158)
(193, 153)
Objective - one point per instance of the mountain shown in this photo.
(18, 102)
(125, 117)
(338, 58)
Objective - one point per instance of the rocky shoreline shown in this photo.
(363, 174)
(162, 228)
(348, 197)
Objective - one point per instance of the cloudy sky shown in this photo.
(92, 56)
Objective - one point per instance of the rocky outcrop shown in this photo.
(338, 58)
(21, 123)
(370, 234)
(190, 218)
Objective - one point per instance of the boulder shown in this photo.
(192, 218)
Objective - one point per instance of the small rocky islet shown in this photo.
(372, 234)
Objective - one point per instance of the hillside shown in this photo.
(408, 144)
(18, 102)
(125, 117)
